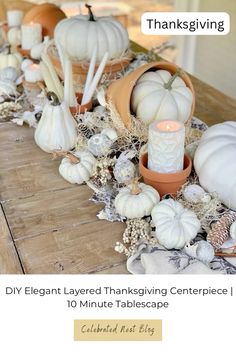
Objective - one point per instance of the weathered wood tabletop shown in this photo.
(48, 226)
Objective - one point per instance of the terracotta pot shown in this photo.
(165, 183)
(81, 108)
(120, 91)
(47, 14)
(80, 69)
(24, 52)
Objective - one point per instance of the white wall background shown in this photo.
(210, 58)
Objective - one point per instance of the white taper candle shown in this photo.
(90, 74)
(96, 78)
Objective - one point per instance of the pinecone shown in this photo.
(220, 230)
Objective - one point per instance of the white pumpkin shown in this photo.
(56, 129)
(38, 48)
(136, 200)
(7, 87)
(159, 96)
(14, 36)
(214, 162)
(13, 60)
(99, 144)
(8, 73)
(77, 167)
(175, 225)
(88, 31)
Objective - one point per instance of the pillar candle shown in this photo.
(166, 146)
(33, 73)
(14, 18)
(31, 34)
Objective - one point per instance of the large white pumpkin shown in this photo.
(78, 36)
(158, 95)
(175, 225)
(215, 162)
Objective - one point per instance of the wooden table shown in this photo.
(48, 225)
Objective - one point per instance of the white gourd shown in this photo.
(8, 73)
(88, 31)
(136, 200)
(7, 87)
(214, 162)
(175, 225)
(76, 167)
(56, 129)
(158, 96)
(13, 60)
(14, 36)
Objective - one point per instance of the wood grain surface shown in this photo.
(48, 225)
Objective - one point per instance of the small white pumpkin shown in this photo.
(175, 225)
(7, 87)
(99, 144)
(37, 49)
(214, 162)
(158, 96)
(76, 167)
(201, 250)
(8, 73)
(232, 230)
(26, 63)
(13, 60)
(88, 31)
(14, 36)
(136, 200)
(56, 129)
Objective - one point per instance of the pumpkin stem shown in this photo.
(73, 159)
(52, 97)
(168, 84)
(91, 16)
(135, 189)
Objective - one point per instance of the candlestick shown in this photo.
(166, 146)
(14, 17)
(47, 77)
(96, 78)
(33, 73)
(52, 73)
(31, 34)
(90, 74)
(69, 93)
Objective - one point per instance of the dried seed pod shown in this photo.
(220, 230)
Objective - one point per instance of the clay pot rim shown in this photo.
(23, 52)
(81, 108)
(125, 58)
(165, 177)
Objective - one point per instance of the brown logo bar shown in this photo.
(117, 330)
